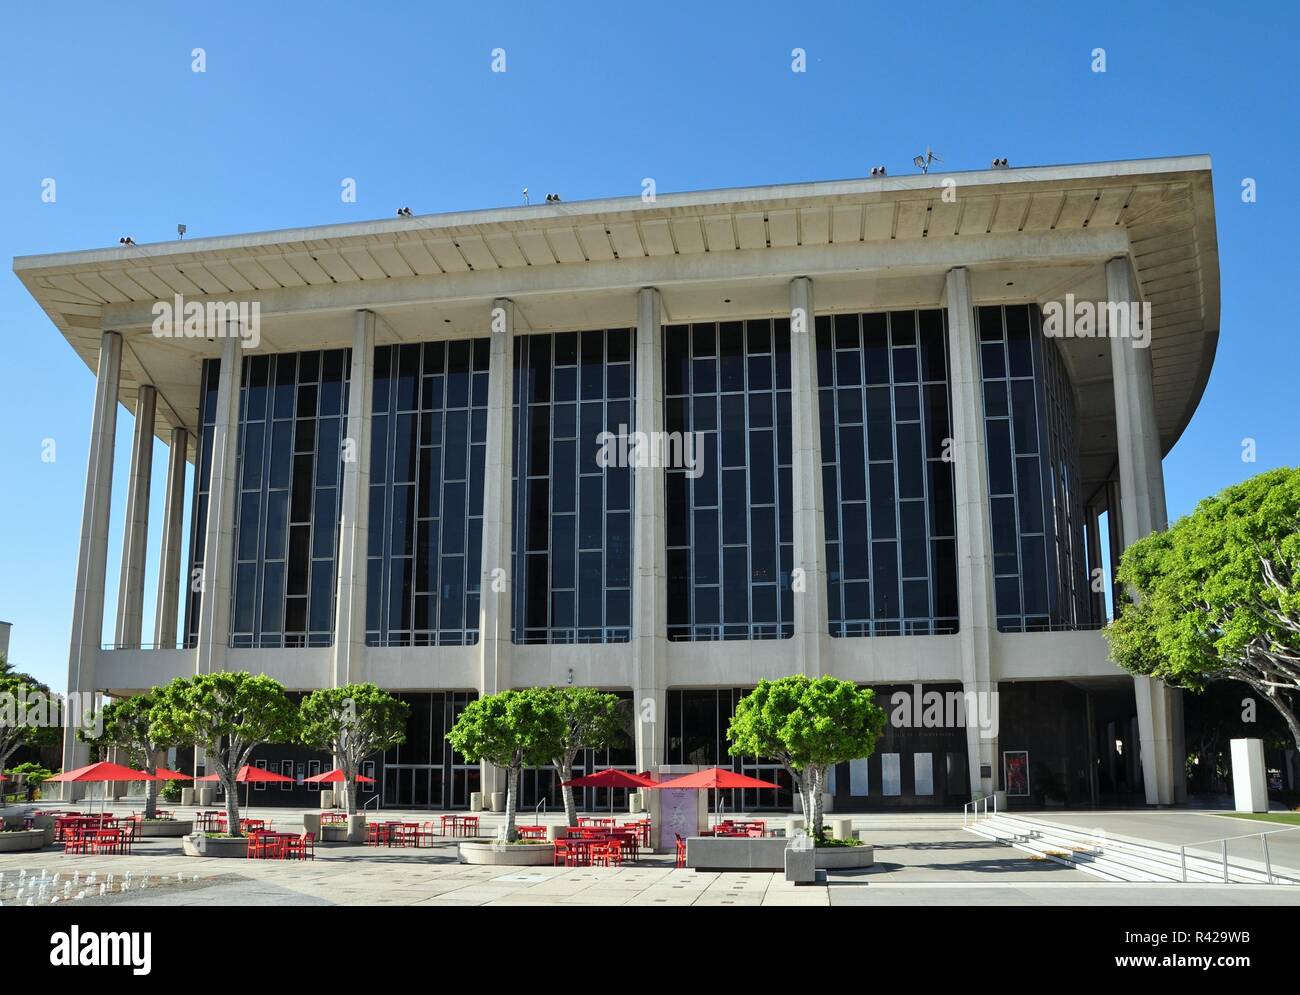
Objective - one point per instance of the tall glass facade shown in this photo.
(572, 516)
(293, 408)
(427, 449)
(729, 521)
(1035, 510)
(202, 488)
(424, 771)
(887, 474)
(695, 732)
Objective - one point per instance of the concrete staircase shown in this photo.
(1115, 858)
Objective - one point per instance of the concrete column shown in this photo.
(219, 529)
(811, 623)
(976, 609)
(495, 580)
(169, 559)
(92, 552)
(1142, 511)
(135, 532)
(350, 604)
(649, 542)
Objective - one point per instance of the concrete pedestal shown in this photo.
(356, 829)
(801, 866)
(1249, 777)
(498, 801)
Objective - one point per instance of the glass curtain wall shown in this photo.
(428, 440)
(293, 410)
(728, 520)
(572, 517)
(1037, 529)
(887, 473)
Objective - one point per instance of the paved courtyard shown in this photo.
(920, 860)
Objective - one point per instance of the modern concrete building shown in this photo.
(905, 475)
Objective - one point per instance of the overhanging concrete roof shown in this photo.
(877, 230)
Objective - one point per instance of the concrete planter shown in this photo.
(199, 845)
(719, 853)
(22, 839)
(166, 830)
(512, 855)
(843, 858)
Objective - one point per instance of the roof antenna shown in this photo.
(923, 162)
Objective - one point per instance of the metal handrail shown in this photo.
(540, 807)
(376, 803)
(974, 805)
(1245, 836)
(1169, 850)
(1223, 851)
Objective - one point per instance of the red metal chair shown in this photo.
(608, 854)
(298, 847)
(76, 840)
(263, 846)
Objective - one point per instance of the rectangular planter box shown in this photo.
(716, 853)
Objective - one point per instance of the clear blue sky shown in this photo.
(297, 96)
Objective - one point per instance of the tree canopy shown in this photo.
(228, 715)
(29, 715)
(511, 729)
(1216, 596)
(128, 725)
(352, 722)
(591, 722)
(809, 725)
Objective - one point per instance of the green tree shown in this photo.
(511, 729)
(755, 729)
(128, 725)
(352, 722)
(28, 714)
(1217, 596)
(810, 725)
(227, 715)
(35, 776)
(591, 723)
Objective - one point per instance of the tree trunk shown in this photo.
(815, 787)
(232, 805)
(570, 806)
(1292, 722)
(512, 781)
(150, 795)
(349, 788)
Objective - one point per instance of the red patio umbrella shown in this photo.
(717, 778)
(611, 777)
(102, 771)
(163, 774)
(336, 776)
(249, 774)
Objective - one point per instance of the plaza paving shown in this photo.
(920, 860)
